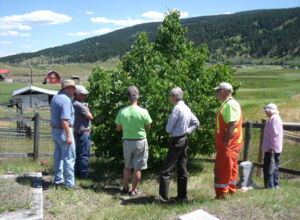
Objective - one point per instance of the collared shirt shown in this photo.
(181, 121)
(273, 134)
(81, 123)
(61, 108)
(133, 120)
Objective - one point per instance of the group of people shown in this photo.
(134, 121)
(70, 122)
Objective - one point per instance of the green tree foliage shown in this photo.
(155, 68)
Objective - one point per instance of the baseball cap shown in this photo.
(224, 86)
(271, 108)
(67, 83)
(81, 90)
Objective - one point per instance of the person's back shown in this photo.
(133, 120)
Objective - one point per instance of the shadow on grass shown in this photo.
(141, 200)
(35, 182)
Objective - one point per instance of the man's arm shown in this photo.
(194, 123)
(172, 120)
(89, 116)
(230, 132)
(118, 128)
(148, 127)
(66, 126)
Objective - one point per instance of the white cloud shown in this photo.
(14, 34)
(184, 14)
(124, 22)
(153, 15)
(5, 42)
(89, 12)
(150, 16)
(25, 46)
(227, 13)
(26, 21)
(92, 33)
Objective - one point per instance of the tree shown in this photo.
(155, 68)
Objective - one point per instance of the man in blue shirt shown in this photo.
(181, 123)
(62, 120)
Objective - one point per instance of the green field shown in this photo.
(99, 197)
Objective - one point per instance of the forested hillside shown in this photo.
(251, 34)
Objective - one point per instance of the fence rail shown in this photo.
(39, 132)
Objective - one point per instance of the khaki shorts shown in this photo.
(135, 154)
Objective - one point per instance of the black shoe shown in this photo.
(179, 199)
(124, 191)
(57, 185)
(162, 200)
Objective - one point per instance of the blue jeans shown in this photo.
(83, 144)
(64, 158)
(271, 180)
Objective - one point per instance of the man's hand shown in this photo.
(270, 150)
(69, 141)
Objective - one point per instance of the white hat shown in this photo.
(271, 108)
(67, 83)
(225, 86)
(81, 90)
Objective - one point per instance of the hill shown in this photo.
(250, 35)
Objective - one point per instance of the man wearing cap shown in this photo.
(82, 129)
(272, 146)
(62, 119)
(181, 123)
(228, 139)
(133, 121)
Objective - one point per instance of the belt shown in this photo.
(179, 136)
(59, 127)
(83, 131)
(133, 139)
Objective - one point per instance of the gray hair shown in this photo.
(133, 93)
(177, 93)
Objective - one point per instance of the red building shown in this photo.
(3, 73)
(52, 78)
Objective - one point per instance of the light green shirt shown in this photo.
(133, 120)
(231, 111)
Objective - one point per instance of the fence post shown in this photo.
(260, 151)
(36, 136)
(247, 141)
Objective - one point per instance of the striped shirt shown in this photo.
(273, 134)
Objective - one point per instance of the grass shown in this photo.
(14, 196)
(99, 197)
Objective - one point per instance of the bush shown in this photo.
(155, 68)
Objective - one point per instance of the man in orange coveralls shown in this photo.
(229, 139)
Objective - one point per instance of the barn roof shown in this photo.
(4, 71)
(34, 89)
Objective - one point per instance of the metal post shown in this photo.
(247, 141)
(36, 136)
(260, 151)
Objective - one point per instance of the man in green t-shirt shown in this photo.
(133, 121)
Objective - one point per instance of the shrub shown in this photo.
(155, 68)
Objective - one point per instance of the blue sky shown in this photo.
(32, 25)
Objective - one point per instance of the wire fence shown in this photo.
(18, 136)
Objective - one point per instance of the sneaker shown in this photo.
(136, 192)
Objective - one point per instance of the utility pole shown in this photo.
(30, 85)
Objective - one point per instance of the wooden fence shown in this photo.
(249, 126)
